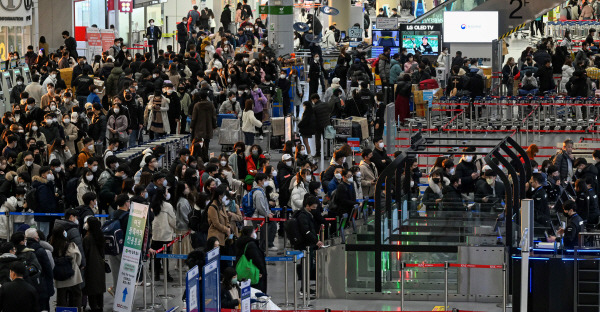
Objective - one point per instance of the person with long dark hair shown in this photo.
(218, 219)
(68, 292)
(248, 245)
(163, 227)
(95, 277)
(230, 290)
(185, 202)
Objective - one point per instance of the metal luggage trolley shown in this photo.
(229, 133)
(343, 130)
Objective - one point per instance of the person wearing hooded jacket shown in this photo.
(43, 254)
(395, 69)
(335, 84)
(467, 172)
(249, 246)
(71, 224)
(8, 205)
(7, 256)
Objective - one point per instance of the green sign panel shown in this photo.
(276, 10)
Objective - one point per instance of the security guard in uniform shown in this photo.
(574, 226)
(541, 211)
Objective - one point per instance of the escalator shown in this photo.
(511, 13)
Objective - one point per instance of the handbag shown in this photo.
(63, 269)
(329, 133)
(246, 269)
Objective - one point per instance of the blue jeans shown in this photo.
(133, 137)
(44, 227)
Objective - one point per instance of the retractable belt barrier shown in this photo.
(327, 310)
(49, 214)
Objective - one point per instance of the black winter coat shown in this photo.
(308, 229)
(306, 126)
(345, 197)
(46, 285)
(451, 199)
(463, 171)
(12, 297)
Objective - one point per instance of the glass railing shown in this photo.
(436, 15)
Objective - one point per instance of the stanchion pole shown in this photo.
(445, 285)
(295, 282)
(145, 307)
(152, 294)
(317, 272)
(307, 289)
(304, 291)
(179, 261)
(402, 265)
(266, 236)
(165, 270)
(504, 287)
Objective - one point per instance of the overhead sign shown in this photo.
(355, 32)
(130, 259)
(125, 6)
(15, 12)
(420, 27)
(276, 9)
(192, 289)
(386, 23)
(246, 294)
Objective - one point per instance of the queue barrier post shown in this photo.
(9, 229)
(504, 287)
(295, 283)
(304, 283)
(285, 276)
(179, 260)
(402, 266)
(145, 307)
(166, 274)
(266, 236)
(446, 285)
(152, 293)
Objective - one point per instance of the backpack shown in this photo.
(63, 269)
(333, 206)
(31, 199)
(114, 236)
(248, 203)
(195, 219)
(246, 269)
(33, 269)
(292, 230)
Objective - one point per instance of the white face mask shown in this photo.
(50, 177)
(223, 163)
(282, 76)
(308, 178)
(253, 235)
(116, 110)
(412, 183)
(452, 171)
(274, 173)
(288, 163)
(303, 152)
(66, 121)
(381, 145)
(34, 128)
(29, 163)
(89, 177)
(338, 176)
(344, 160)
(468, 158)
(57, 169)
(351, 180)
(94, 168)
(226, 201)
(168, 197)
(358, 174)
(165, 183)
(19, 83)
(151, 24)
(48, 121)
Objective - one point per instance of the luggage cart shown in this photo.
(229, 133)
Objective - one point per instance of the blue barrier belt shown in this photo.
(170, 256)
(48, 214)
(224, 258)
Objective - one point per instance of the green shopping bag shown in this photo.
(246, 270)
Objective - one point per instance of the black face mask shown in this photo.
(566, 214)
(436, 180)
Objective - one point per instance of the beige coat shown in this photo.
(249, 122)
(218, 220)
(368, 175)
(71, 136)
(76, 279)
(164, 109)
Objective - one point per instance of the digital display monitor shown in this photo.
(426, 44)
(8, 80)
(376, 51)
(386, 38)
(3, 66)
(479, 26)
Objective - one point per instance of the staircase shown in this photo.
(588, 286)
(512, 14)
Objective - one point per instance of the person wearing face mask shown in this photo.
(204, 119)
(541, 210)
(231, 106)
(17, 89)
(8, 204)
(30, 167)
(252, 160)
(87, 184)
(218, 218)
(452, 199)
(315, 73)
(237, 160)
(467, 172)
(230, 290)
(153, 34)
(300, 188)
(369, 174)
(117, 125)
(554, 187)
(380, 157)
(112, 188)
(489, 192)
(575, 225)
(48, 97)
(158, 180)
(260, 103)
(345, 194)
(45, 192)
(357, 184)
(17, 294)
(433, 193)
(87, 210)
(158, 116)
(71, 225)
(163, 227)
(184, 155)
(585, 171)
(50, 83)
(248, 246)
(250, 123)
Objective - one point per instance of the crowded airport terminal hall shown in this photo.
(299, 155)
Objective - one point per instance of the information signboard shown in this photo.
(192, 289)
(211, 282)
(130, 259)
(246, 294)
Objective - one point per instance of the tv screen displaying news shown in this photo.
(426, 44)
